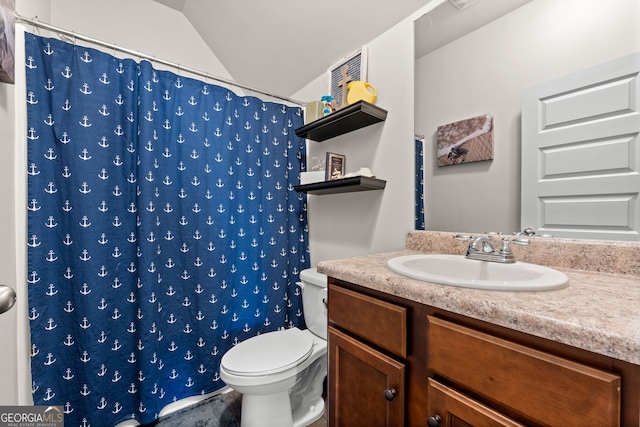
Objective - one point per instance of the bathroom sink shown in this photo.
(456, 270)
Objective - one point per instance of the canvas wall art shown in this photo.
(7, 40)
(466, 141)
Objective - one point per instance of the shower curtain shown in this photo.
(163, 228)
(418, 216)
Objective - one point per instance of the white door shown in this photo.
(8, 358)
(8, 319)
(581, 153)
(15, 377)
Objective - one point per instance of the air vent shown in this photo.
(463, 4)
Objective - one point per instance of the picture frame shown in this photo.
(7, 54)
(357, 71)
(334, 166)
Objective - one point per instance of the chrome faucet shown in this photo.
(482, 245)
(481, 248)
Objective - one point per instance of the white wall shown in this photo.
(352, 224)
(485, 72)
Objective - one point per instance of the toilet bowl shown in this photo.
(281, 374)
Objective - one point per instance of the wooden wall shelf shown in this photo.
(344, 185)
(347, 119)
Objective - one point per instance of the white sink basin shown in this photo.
(456, 270)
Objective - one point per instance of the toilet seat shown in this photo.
(268, 353)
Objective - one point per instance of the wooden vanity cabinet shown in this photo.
(367, 347)
(443, 369)
(374, 344)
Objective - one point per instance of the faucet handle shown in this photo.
(463, 237)
(529, 232)
(519, 241)
(506, 249)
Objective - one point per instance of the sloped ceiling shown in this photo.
(282, 45)
(447, 23)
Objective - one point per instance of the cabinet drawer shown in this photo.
(456, 409)
(538, 386)
(381, 323)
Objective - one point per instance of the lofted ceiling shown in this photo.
(282, 45)
(447, 22)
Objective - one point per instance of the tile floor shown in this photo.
(234, 398)
(218, 411)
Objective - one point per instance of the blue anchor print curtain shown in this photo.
(163, 228)
(419, 185)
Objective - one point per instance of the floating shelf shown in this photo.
(347, 119)
(344, 185)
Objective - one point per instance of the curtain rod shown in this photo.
(36, 23)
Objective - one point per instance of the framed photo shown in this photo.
(7, 41)
(356, 69)
(335, 166)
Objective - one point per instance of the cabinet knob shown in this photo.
(434, 421)
(390, 393)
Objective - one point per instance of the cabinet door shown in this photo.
(366, 386)
(449, 408)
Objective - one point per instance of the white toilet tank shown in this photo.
(314, 298)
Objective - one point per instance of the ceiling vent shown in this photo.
(463, 4)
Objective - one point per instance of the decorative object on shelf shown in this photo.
(315, 171)
(311, 177)
(466, 141)
(356, 69)
(361, 91)
(335, 166)
(328, 105)
(343, 84)
(7, 41)
(361, 172)
(316, 164)
(313, 111)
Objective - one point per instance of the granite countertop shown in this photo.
(599, 311)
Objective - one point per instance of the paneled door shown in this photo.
(367, 386)
(581, 153)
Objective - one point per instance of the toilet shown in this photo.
(281, 374)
